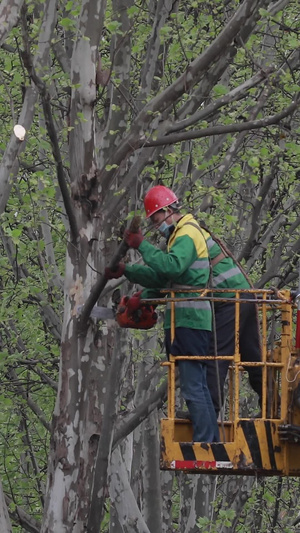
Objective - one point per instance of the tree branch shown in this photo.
(100, 284)
(236, 94)
(220, 130)
(21, 517)
(136, 417)
(5, 525)
(181, 86)
(45, 97)
(9, 14)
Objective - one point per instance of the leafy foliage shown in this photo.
(114, 88)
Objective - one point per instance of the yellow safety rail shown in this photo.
(250, 446)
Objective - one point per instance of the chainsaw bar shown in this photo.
(100, 312)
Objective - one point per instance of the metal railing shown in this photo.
(275, 356)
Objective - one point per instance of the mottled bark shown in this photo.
(10, 164)
(166, 483)
(129, 515)
(186, 484)
(5, 524)
(83, 97)
(151, 489)
(110, 407)
(203, 495)
(237, 490)
(9, 14)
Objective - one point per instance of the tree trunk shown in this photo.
(5, 525)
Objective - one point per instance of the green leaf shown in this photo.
(220, 89)
(113, 26)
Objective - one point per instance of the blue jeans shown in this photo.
(193, 385)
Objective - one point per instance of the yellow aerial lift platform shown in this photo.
(269, 445)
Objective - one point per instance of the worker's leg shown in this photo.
(221, 343)
(193, 381)
(210, 406)
(250, 345)
(196, 394)
(216, 376)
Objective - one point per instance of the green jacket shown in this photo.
(185, 263)
(226, 274)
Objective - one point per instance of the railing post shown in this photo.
(237, 359)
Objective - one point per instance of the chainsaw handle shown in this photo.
(101, 282)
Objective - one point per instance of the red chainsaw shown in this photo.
(144, 317)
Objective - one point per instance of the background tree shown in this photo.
(202, 97)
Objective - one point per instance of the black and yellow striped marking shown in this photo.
(255, 449)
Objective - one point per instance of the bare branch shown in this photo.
(100, 284)
(9, 164)
(28, 400)
(182, 85)
(45, 97)
(234, 95)
(9, 15)
(138, 415)
(24, 519)
(220, 130)
(5, 525)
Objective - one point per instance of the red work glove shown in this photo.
(133, 239)
(134, 302)
(115, 273)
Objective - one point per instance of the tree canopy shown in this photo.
(117, 96)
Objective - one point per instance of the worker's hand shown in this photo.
(111, 273)
(134, 302)
(133, 239)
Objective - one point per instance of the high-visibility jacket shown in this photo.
(185, 262)
(225, 273)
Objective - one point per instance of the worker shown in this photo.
(184, 263)
(225, 274)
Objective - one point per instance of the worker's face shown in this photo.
(163, 215)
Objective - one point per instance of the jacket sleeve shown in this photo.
(171, 265)
(145, 276)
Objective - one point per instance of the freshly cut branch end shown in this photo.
(19, 132)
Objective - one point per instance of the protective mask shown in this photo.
(164, 229)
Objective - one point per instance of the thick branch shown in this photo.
(45, 97)
(236, 94)
(136, 417)
(220, 130)
(100, 284)
(105, 441)
(9, 14)
(21, 517)
(9, 164)
(5, 525)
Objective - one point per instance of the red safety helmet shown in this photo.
(157, 198)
